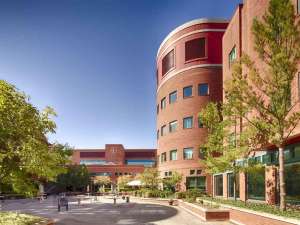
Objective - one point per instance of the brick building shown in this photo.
(189, 75)
(114, 160)
(261, 185)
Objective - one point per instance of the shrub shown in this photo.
(180, 195)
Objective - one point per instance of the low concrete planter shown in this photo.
(243, 216)
(205, 213)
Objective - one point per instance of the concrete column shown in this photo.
(209, 184)
(243, 187)
(270, 184)
(225, 185)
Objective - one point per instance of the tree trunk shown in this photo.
(282, 178)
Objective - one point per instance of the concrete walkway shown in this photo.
(104, 212)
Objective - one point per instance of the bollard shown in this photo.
(115, 200)
(127, 199)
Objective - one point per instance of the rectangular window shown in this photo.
(218, 184)
(200, 122)
(298, 6)
(202, 153)
(173, 126)
(232, 56)
(187, 122)
(163, 157)
(163, 130)
(144, 162)
(187, 91)
(199, 172)
(256, 184)
(157, 109)
(166, 174)
(233, 185)
(163, 103)
(196, 183)
(188, 153)
(92, 162)
(173, 155)
(192, 172)
(203, 89)
(168, 62)
(195, 49)
(157, 134)
(173, 97)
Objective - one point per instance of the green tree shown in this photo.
(102, 181)
(150, 178)
(262, 96)
(75, 179)
(123, 180)
(26, 157)
(171, 183)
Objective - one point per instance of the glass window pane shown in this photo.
(163, 130)
(232, 56)
(188, 122)
(168, 62)
(218, 184)
(256, 184)
(173, 97)
(163, 103)
(188, 91)
(172, 126)
(188, 153)
(195, 49)
(292, 181)
(173, 155)
(203, 89)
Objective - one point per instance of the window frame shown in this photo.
(196, 58)
(172, 122)
(189, 86)
(172, 102)
(172, 151)
(207, 89)
(192, 150)
(163, 103)
(162, 133)
(230, 61)
(185, 118)
(162, 63)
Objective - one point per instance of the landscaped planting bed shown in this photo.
(11, 218)
(256, 213)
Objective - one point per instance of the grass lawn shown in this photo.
(12, 218)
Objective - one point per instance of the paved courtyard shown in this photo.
(104, 212)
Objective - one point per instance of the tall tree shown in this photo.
(172, 183)
(264, 92)
(150, 178)
(76, 178)
(26, 157)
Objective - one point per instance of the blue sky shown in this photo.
(94, 61)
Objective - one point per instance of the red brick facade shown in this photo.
(114, 160)
(238, 35)
(207, 69)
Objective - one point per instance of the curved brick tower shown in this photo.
(189, 75)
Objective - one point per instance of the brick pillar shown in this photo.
(225, 185)
(270, 173)
(243, 187)
(209, 185)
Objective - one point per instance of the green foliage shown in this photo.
(223, 147)
(150, 178)
(170, 183)
(190, 195)
(123, 180)
(76, 178)
(260, 207)
(11, 218)
(154, 193)
(262, 96)
(26, 157)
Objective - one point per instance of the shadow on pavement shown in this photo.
(120, 214)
